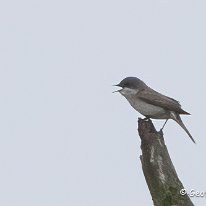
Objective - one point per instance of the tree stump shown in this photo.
(159, 172)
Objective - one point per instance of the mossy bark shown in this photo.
(159, 172)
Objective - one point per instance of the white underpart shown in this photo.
(128, 91)
(173, 115)
(139, 105)
(145, 108)
(161, 174)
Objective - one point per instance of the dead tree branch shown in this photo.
(159, 172)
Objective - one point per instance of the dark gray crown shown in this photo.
(132, 83)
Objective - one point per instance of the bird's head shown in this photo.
(130, 86)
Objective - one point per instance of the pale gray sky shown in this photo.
(65, 138)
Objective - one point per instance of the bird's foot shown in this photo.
(161, 132)
(147, 118)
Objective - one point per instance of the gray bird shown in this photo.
(150, 103)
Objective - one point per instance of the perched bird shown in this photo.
(150, 103)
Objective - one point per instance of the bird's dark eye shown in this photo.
(127, 84)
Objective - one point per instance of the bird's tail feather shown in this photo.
(177, 118)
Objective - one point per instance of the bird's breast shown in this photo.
(148, 109)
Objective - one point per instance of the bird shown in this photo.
(151, 103)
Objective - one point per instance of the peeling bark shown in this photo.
(159, 172)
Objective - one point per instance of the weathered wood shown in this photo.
(159, 172)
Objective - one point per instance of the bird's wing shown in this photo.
(152, 97)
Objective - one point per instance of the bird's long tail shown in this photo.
(177, 118)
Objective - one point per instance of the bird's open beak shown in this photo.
(117, 85)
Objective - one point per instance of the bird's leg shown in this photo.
(161, 130)
(164, 125)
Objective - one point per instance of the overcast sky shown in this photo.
(65, 139)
